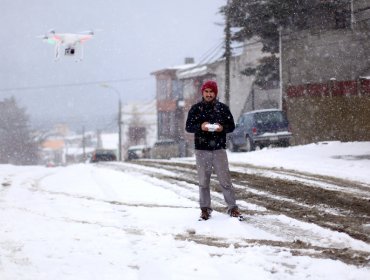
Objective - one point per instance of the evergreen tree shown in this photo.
(16, 143)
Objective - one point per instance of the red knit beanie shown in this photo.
(211, 85)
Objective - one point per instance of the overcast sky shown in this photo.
(133, 39)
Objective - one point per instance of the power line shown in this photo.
(211, 53)
(72, 84)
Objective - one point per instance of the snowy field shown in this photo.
(89, 222)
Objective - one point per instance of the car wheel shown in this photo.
(286, 143)
(249, 144)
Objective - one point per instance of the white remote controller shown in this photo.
(212, 127)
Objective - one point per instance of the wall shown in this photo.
(311, 57)
(342, 118)
(362, 13)
(321, 86)
(240, 85)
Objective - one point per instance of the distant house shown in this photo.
(78, 147)
(170, 102)
(52, 150)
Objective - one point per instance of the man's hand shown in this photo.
(219, 128)
(206, 126)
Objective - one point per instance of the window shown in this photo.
(342, 19)
(161, 124)
(269, 117)
(177, 89)
(166, 125)
(162, 89)
(137, 135)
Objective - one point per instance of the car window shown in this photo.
(248, 120)
(269, 117)
(243, 120)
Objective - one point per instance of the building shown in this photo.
(325, 76)
(179, 87)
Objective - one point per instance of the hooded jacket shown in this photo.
(212, 112)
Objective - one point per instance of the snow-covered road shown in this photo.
(90, 222)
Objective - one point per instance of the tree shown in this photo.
(137, 131)
(263, 18)
(17, 145)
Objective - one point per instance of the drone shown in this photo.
(70, 43)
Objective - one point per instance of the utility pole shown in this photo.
(119, 119)
(120, 129)
(83, 144)
(280, 29)
(352, 16)
(227, 54)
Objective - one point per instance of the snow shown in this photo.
(343, 160)
(87, 221)
(109, 140)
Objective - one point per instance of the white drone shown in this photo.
(71, 43)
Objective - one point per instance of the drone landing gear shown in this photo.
(81, 51)
(57, 52)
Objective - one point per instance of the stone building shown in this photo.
(325, 71)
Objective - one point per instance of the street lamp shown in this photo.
(119, 119)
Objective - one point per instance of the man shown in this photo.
(210, 120)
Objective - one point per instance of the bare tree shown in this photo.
(137, 131)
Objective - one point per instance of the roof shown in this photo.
(53, 144)
(174, 68)
(193, 72)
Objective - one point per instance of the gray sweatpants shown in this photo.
(216, 160)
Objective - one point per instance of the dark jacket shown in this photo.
(215, 112)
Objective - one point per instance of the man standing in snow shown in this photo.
(210, 120)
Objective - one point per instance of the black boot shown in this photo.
(205, 214)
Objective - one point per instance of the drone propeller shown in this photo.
(47, 34)
(50, 37)
(91, 31)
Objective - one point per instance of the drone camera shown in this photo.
(70, 51)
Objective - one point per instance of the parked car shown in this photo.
(103, 155)
(139, 151)
(260, 128)
(165, 149)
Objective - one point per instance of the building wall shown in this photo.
(329, 118)
(324, 96)
(361, 12)
(311, 57)
(240, 85)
